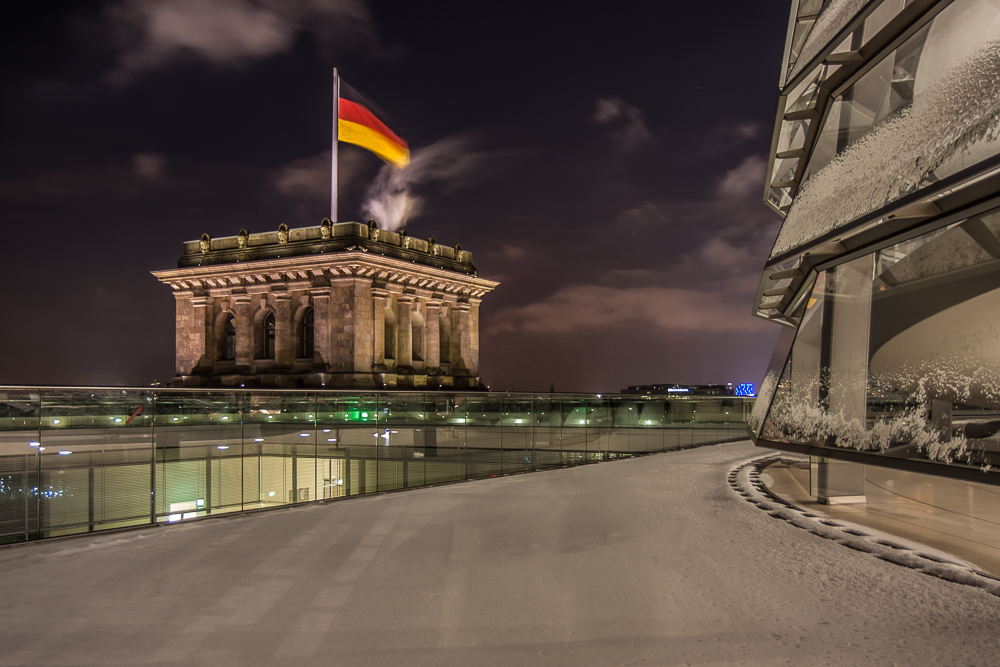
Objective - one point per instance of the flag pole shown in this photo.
(333, 152)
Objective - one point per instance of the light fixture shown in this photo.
(303, 435)
(258, 439)
(55, 421)
(331, 440)
(223, 446)
(326, 430)
(118, 420)
(33, 444)
(225, 418)
(65, 452)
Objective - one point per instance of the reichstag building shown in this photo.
(886, 270)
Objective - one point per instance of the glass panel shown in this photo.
(915, 118)
(75, 460)
(895, 356)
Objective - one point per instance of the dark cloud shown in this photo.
(156, 33)
(626, 126)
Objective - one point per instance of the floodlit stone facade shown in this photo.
(341, 305)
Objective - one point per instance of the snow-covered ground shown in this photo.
(650, 561)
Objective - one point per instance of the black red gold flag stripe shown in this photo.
(359, 122)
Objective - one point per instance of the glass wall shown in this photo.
(78, 460)
(897, 354)
(926, 111)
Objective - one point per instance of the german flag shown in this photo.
(361, 123)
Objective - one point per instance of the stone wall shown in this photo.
(432, 312)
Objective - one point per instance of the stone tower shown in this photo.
(341, 305)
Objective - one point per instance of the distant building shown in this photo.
(681, 390)
(342, 305)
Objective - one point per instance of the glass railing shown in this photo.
(76, 460)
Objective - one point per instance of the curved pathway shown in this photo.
(652, 561)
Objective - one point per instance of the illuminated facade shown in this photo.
(885, 165)
(342, 305)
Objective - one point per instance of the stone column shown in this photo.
(444, 333)
(404, 334)
(321, 324)
(379, 301)
(460, 339)
(432, 337)
(283, 340)
(198, 335)
(244, 331)
(472, 361)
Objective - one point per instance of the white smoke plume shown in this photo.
(452, 162)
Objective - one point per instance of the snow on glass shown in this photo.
(795, 416)
(899, 156)
(829, 22)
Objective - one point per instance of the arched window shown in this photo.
(306, 335)
(267, 337)
(229, 339)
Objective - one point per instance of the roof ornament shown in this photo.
(373, 231)
(432, 246)
(404, 238)
(205, 243)
(243, 238)
(282, 233)
(326, 229)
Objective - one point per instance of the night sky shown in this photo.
(605, 163)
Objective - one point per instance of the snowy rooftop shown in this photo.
(654, 560)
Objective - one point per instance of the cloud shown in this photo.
(744, 180)
(580, 307)
(144, 176)
(628, 129)
(732, 135)
(643, 215)
(151, 166)
(514, 253)
(155, 33)
(310, 176)
(452, 162)
(720, 252)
